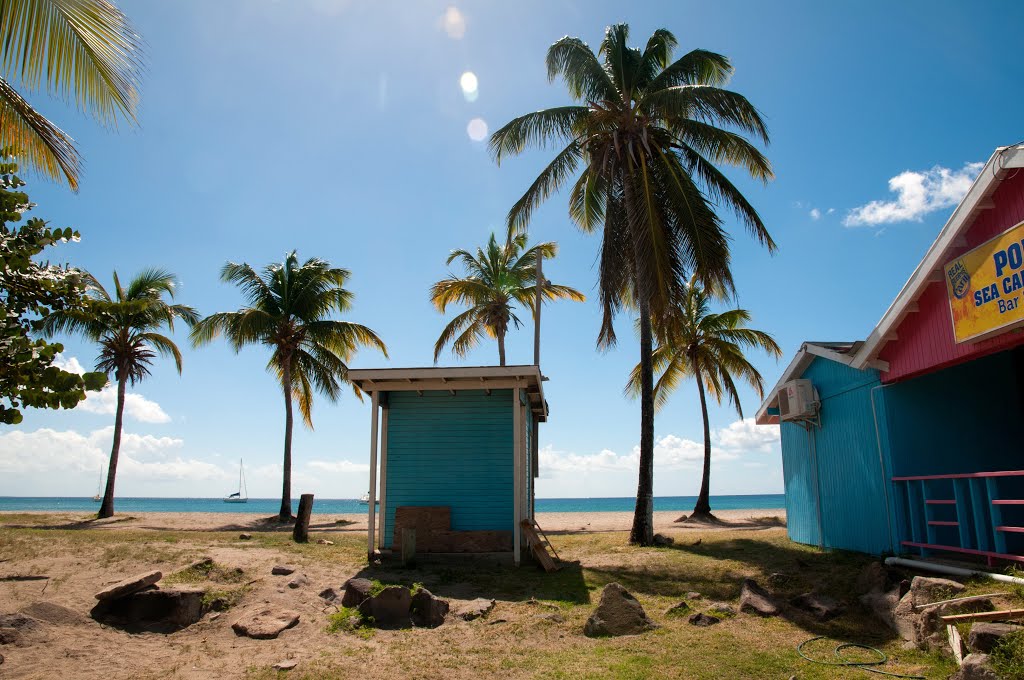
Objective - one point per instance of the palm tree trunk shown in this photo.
(703, 506)
(501, 348)
(285, 513)
(107, 506)
(642, 532)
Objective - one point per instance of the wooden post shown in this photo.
(372, 512)
(301, 532)
(517, 442)
(383, 511)
(408, 545)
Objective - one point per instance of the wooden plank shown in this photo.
(955, 643)
(1002, 615)
(300, 534)
(538, 549)
(382, 507)
(966, 551)
(371, 521)
(408, 545)
(517, 442)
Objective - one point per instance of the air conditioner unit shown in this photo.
(798, 400)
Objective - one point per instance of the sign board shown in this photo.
(986, 287)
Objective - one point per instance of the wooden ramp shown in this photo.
(539, 545)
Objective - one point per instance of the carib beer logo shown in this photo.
(959, 279)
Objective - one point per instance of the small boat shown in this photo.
(99, 487)
(238, 496)
(365, 499)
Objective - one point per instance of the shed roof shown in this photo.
(452, 379)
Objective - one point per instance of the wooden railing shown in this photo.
(969, 513)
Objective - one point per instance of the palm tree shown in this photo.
(647, 133)
(697, 343)
(125, 327)
(496, 278)
(288, 309)
(84, 51)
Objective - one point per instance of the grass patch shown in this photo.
(206, 572)
(1008, 657)
(222, 599)
(721, 613)
(349, 620)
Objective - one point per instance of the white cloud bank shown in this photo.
(104, 402)
(917, 194)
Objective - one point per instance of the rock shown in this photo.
(474, 609)
(389, 608)
(282, 570)
(822, 607)
(329, 594)
(703, 620)
(285, 665)
(975, 667)
(244, 537)
(356, 590)
(873, 577)
(721, 609)
(155, 610)
(10, 636)
(204, 563)
(553, 617)
(756, 600)
(427, 611)
(924, 627)
(129, 586)
(54, 613)
(324, 541)
(693, 595)
(678, 609)
(618, 613)
(298, 581)
(264, 624)
(14, 628)
(985, 635)
(661, 540)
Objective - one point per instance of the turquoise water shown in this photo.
(337, 506)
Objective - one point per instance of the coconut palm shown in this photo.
(126, 327)
(288, 310)
(497, 277)
(708, 347)
(647, 136)
(83, 51)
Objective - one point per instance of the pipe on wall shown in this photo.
(951, 571)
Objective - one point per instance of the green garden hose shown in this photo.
(863, 665)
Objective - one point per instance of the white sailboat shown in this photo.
(365, 499)
(99, 487)
(242, 495)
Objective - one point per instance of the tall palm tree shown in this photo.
(496, 278)
(698, 343)
(288, 310)
(83, 51)
(126, 327)
(647, 135)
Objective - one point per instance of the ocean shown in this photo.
(338, 506)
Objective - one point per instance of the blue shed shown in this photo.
(457, 453)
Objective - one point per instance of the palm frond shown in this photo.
(39, 145)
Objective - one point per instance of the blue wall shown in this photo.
(454, 451)
(842, 459)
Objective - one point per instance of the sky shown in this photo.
(355, 131)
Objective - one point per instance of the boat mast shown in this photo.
(241, 479)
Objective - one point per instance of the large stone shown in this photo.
(356, 590)
(756, 600)
(984, 635)
(129, 586)
(329, 594)
(921, 624)
(265, 624)
(473, 609)
(299, 581)
(388, 609)
(618, 613)
(282, 570)
(15, 627)
(56, 614)
(975, 667)
(678, 609)
(822, 607)
(703, 620)
(427, 611)
(154, 610)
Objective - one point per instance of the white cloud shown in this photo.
(815, 214)
(830, 211)
(917, 194)
(104, 402)
(338, 466)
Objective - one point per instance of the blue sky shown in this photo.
(339, 128)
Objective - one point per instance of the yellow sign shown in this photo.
(986, 285)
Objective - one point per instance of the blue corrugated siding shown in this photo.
(852, 483)
(454, 451)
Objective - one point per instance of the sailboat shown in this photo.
(242, 495)
(99, 486)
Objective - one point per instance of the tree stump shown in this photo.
(301, 532)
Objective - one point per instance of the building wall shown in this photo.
(454, 451)
(841, 459)
(925, 338)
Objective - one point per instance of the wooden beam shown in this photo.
(372, 512)
(517, 442)
(383, 473)
(446, 384)
(1003, 615)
